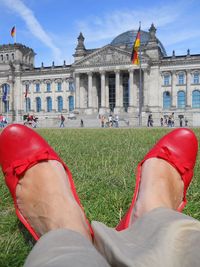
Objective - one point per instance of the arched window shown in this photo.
(6, 106)
(1, 57)
(181, 99)
(59, 86)
(5, 96)
(196, 99)
(49, 104)
(48, 87)
(60, 103)
(196, 78)
(71, 103)
(38, 104)
(166, 80)
(181, 77)
(28, 104)
(37, 87)
(5, 89)
(166, 100)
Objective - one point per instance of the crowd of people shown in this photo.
(30, 120)
(110, 121)
(106, 121)
(168, 121)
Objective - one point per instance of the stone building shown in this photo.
(103, 80)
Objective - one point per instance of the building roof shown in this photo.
(128, 38)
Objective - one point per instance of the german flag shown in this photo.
(13, 31)
(135, 52)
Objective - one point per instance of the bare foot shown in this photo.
(45, 199)
(161, 186)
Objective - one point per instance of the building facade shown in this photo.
(103, 81)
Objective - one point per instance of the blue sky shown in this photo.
(51, 27)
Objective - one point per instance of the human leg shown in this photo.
(179, 149)
(161, 237)
(64, 248)
(154, 233)
(45, 197)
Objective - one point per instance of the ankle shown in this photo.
(160, 186)
(45, 199)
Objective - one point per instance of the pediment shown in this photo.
(107, 55)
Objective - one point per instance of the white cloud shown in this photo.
(108, 26)
(33, 25)
(175, 26)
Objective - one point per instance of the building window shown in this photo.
(60, 103)
(5, 94)
(71, 103)
(6, 106)
(196, 78)
(196, 99)
(38, 104)
(37, 87)
(1, 57)
(181, 78)
(5, 90)
(28, 104)
(181, 99)
(7, 57)
(48, 87)
(13, 56)
(49, 104)
(71, 86)
(59, 87)
(166, 100)
(166, 79)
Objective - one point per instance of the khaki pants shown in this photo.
(162, 237)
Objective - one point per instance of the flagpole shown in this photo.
(140, 85)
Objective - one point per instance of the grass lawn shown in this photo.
(102, 162)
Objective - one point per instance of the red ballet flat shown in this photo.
(179, 148)
(20, 149)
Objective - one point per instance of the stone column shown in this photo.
(54, 96)
(94, 93)
(173, 91)
(145, 88)
(188, 91)
(118, 100)
(65, 88)
(131, 91)
(15, 87)
(107, 93)
(117, 88)
(90, 100)
(103, 93)
(77, 92)
(90, 96)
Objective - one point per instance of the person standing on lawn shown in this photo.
(62, 120)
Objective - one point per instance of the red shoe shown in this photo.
(20, 149)
(179, 148)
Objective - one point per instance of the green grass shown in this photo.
(102, 162)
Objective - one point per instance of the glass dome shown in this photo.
(128, 38)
